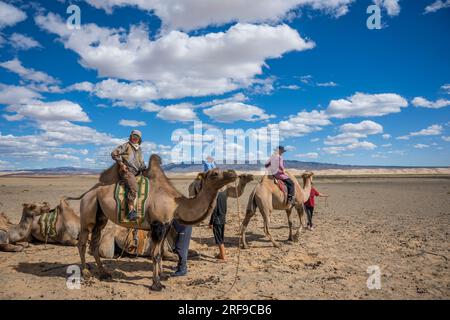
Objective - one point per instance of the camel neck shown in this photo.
(193, 210)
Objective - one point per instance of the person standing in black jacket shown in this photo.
(218, 221)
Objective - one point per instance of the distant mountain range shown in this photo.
(184, 168)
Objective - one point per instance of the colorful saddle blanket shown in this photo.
(47, 224)
(120, 195)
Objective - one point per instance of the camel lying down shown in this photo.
(13, 238)
(116, 241)
(39, 223)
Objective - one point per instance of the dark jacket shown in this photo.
(220, 211)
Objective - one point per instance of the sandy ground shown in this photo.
(401, 225)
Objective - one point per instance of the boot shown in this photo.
(181, 271)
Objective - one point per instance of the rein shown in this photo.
(239, 244)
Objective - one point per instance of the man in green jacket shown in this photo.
(131, 163)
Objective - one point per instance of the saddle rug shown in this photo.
(120, 195)
(47, 224)
(283, 187)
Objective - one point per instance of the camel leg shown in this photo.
(7, 247)
(158, 232)
(289, 216)
(101, 222)
(82, 241)
(22, 244)
(69, 242)
(249, 214)
(88, 209)
(300, 212)
(266, 217)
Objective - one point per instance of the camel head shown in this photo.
(307, 175)
(35, 209)
(215, 179)
(246, 177)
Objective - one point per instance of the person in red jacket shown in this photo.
(309, 206)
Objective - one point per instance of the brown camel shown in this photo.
(67, 226)
(165, 203)
(244, 179)
(14, 238)
(267, 197)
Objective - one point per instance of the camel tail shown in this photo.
(81, 196)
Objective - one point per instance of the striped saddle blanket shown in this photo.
(47, 224)
(120, 195)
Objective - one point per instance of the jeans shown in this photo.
(309, 214)
(290, 187)
(182, 243)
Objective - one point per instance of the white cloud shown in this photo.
(365, 145)
(116, 90)
(23, 42)
(63, 156)
(386, 136)
(45, 111)
(10, 15)
(194, 14)
(81, 86)
(366, 127)
(387, 145)
(178, 112)
(177, 65)
(391, 6)
(290, 87)
(446, 88)
(446, 138)
(150, 107)
(424, 103)
(432, 130)
(366, 105)
(309, 155)
(402, 138)
(29, 74)
(327, 84)
(236, 111)
(421, 146)
(437, 5)
(315, 139)
(333, 150)
(302, 123)
(132, 123)
(352, 132)
(344, 138)
(17, 94)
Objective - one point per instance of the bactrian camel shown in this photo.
(120, 238)
(164, 204)
(13, 238)
(67, 226)
(267, 197)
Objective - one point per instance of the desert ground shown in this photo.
(399, 223)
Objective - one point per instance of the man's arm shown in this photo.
(116, 155)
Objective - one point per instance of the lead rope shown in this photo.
(239, 244)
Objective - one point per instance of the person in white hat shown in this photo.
(131, 163)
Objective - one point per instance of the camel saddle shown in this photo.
(120, 195)
(47, 224)
(281, 185)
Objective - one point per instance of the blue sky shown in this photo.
(337, 91)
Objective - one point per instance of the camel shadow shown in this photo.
(118, 268)
(231, 241)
